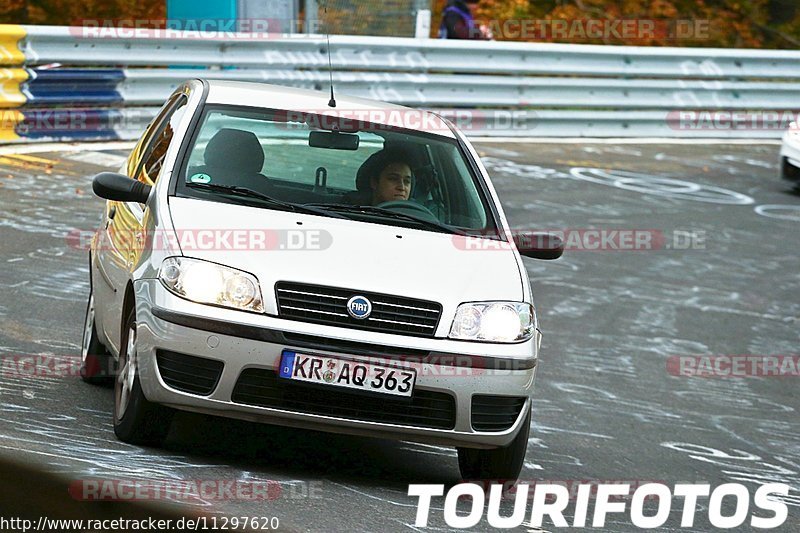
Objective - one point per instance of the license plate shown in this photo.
(349, 374)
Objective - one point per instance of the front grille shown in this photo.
(263, 388)
(495, 413)
(187, 373)
(328, 305)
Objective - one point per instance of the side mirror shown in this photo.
(113, 186)
(540, 245)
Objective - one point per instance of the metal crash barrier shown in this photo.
(95, 83)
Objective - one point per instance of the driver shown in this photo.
(390, 176)
(393, 181)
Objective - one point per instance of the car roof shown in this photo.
(280, 97)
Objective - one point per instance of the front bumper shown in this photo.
(248, 341)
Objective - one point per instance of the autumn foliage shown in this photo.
(720, 23)
(66, 12)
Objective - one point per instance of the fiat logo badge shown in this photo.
(359, 307)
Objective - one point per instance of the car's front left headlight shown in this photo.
(494, 322)
(209, 283)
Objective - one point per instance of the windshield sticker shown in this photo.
(200, 178)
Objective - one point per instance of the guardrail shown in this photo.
(116, 78)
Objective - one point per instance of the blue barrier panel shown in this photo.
(74, 86)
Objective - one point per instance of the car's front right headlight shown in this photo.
(209, 283)
(494, 322)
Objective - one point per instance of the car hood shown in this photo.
(285, 246)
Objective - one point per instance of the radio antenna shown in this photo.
(332, 101)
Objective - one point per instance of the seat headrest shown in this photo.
(236, 150)
(366, 171)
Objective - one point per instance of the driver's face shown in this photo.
(393, 183)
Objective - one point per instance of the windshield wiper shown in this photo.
(246, 192)
(372, 210)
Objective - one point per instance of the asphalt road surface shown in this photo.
(723, 280)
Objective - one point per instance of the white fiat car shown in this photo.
(273, 256)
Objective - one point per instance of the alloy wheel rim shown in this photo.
(88, 327)
(125, 377)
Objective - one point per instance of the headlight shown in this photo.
(494, 322)
(210, 283)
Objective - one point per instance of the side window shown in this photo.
(163, 131)
(135, 158)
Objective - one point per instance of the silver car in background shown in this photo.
(268, 257)
(789, 163)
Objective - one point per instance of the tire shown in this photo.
(498, 463)
(136, 420)
(96, 362)
(789, 172)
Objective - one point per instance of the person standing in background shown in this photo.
(458, 23)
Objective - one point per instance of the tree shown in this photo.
(63, 12)
(720, 23)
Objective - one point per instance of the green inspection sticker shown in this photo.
(200, 178)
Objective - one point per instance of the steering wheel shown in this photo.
(409, 207)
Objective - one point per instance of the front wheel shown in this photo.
(789, 171)
(136, 420)
(498, 463)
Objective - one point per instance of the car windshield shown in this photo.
(311, 163)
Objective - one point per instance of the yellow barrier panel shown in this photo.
(10, 81)
(10, 54)
(9, 118)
